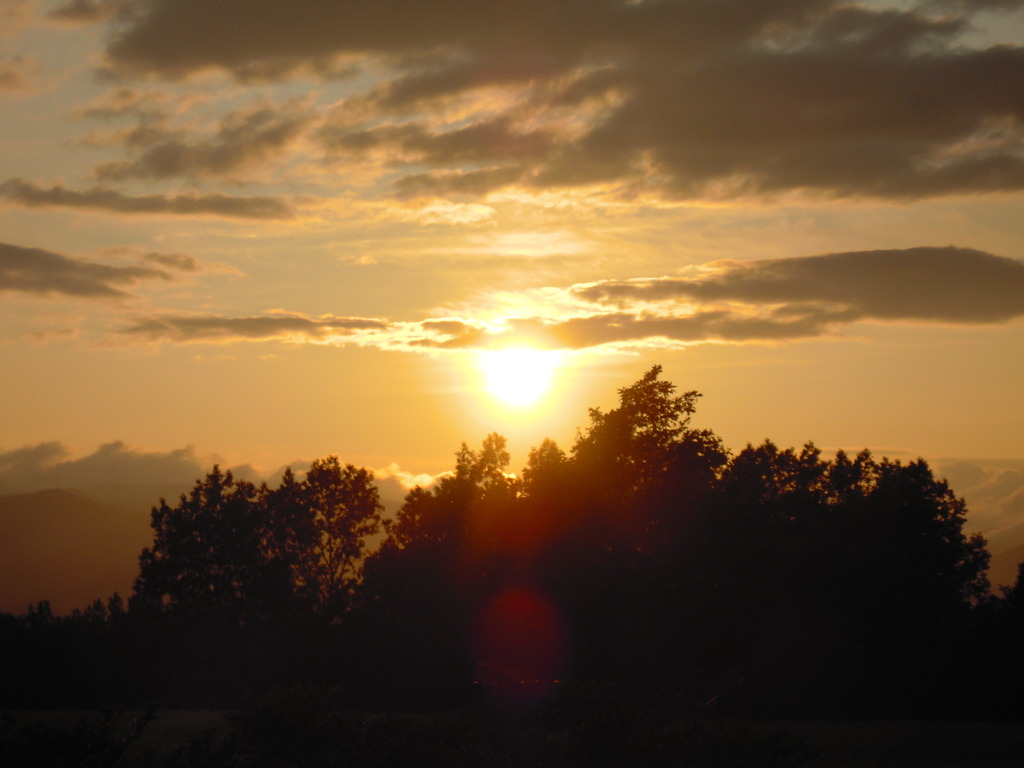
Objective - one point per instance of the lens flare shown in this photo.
(520, 645)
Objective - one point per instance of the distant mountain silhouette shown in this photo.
(134, 498)
(59, 546)
(72, 546)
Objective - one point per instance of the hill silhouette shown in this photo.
(59, 546)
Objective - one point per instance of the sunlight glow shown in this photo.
(519, 376)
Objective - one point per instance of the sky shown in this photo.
(259, 233)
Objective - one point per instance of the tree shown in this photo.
(344, 508)
(422, 585)
(545, 469)
(230, 548)
(632, 446)
(210, 553)
(831, 577)
(642, 469)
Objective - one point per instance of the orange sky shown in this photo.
(262, 233)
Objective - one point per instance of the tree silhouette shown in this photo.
(647, 561)
(211, 552)
(230, 548)
(342, 506)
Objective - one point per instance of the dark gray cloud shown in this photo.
(102, 198)
(700, 97)
(956, 285)
(37, 271)
(244, 139)
(221, 328)
(508, 41)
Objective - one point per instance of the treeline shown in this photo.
(646, 563)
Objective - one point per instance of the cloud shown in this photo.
(87, 11)
(121, 101)
(622, 330)
(244, 138)
(486, 141)
(403, 480)
(41, 272)
(456, 183)
(695, 99)
(134, 480)
(994, 491)
(753, 302)
(47, 465)
(761, 301)
(956, 285)
(18, 73)
(30, 194)
(177, 261)
(13, 15)
(220, 328)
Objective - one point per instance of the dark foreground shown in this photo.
(296, 734)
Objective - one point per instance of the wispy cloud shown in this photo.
(102, 198)
(87, 11)
(244, 139)
(32, 195)
(179, 261)
(18, 73)
(13, 15)
(41, 272)
(281, 326)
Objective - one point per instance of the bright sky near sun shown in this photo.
(273, 231)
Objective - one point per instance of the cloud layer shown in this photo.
(688, 99)
(955, 285)
(760, 301)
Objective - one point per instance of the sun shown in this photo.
(519, 376)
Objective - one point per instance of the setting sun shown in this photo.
(519, 376)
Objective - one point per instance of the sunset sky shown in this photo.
(258, 231)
